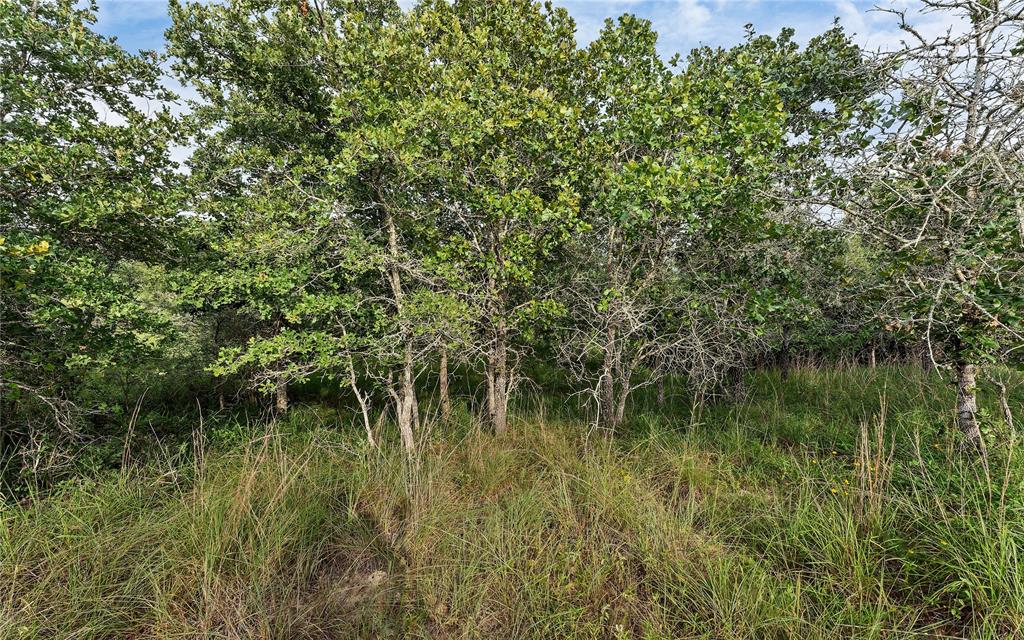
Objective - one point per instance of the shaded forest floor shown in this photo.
(834, 504)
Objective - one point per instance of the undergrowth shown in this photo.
(833, 504)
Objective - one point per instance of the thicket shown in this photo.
(382, 206)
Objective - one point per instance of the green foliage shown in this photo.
(86, 201)
(277, 250)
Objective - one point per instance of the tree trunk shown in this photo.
(967, 406)
(406, 409)
(606, 410)
(661, 391)
(442, 385)
(281, 394)
(364, 406)
(738, 384)
(966, 374)
(1004, 404)
(489, 377)
(871, 356)
(497, 361)
(405, 396)
(497, 385)
(8, 411)
(625, 387)
(926, 359)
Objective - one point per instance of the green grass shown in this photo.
(834, 504)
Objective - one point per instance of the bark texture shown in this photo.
(442, 386)
(967, 406)
(498, 380)
(281, 394)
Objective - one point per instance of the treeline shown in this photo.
(374, 199)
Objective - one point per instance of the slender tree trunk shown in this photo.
(611, 366)
(967, 406)
(497, 365)
(1004, 405)
(871, 356)
(405, 395)
(8, 411)
(498, 384)
(364, 406)
(407, 411)
(738, 384)
(966, 374)
(625, 388)
(442, 386)
(926, 359)
(606, 415)
(281, 394)
(489, 376)
(661, 391)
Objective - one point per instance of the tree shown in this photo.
(86, 189)
(312, 177)
(785, 270)
(501, 130)
(656, 183)
(630, 184)
(280, 242)
(700, 193)
(385, 120)
(938, 196)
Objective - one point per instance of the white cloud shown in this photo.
(876, 27)
(850, 15)
(691, 19)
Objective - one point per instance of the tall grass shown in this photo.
(828, 505)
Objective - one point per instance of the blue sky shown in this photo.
(681, 24)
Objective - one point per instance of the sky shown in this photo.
(681, 24)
